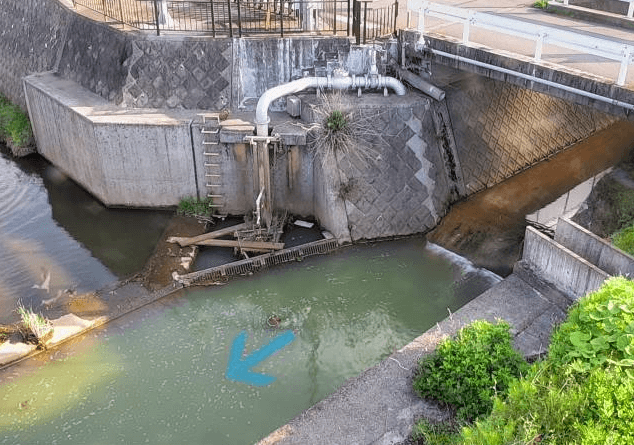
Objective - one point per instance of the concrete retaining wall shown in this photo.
(125, 157)
(560, 266)
(594, 249)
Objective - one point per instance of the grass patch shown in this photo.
(437, 433)
(15, 127)
(541, 4)
(200, 208)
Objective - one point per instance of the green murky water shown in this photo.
(158, 375)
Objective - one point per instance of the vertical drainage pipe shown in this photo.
(339, 83)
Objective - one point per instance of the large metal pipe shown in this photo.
(618, 103)
(421, 84)
(333, 82)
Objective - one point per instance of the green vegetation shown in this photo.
(583, 393)
(336, 121)
(468, 371)
(36, 327)
(624, 239)
(15, 127)
(436, 433)
(195, 207)
(541, 4)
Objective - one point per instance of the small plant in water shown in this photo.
(35, 325)
(195, 207)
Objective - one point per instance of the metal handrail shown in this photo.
(540, 34)
(226, 17)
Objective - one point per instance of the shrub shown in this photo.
(541, 4)
(467, 371)
(195, 207)
(584, 392)
(599, 330)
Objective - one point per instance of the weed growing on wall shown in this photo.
(343, 130)
(15, 127)
(541, 4)
(466, 372)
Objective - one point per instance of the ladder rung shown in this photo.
(210, 131)
(215, 196)
(216, 205)
(211, 154)
(207, 164)
(210, 143)
(213, 185)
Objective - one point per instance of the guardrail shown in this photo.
(539, 34)
(240, 17)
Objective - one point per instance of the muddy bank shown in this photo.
(488, 227)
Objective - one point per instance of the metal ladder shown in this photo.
(213, 169)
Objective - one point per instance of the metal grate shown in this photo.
(255, 264)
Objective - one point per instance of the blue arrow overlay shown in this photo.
(239, 369)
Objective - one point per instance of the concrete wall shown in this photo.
(404, 189)
(501, 129)
(124, 157)
(594, 249)
(568, 271)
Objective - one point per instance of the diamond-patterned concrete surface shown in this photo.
(501, 129)
(393, 195)
(31, 36)
(187, 74)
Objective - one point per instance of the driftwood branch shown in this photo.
(188, 241)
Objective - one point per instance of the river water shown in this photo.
(158, 375)
(48, 224)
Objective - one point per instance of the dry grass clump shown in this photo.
(35, 328)
(341, 129)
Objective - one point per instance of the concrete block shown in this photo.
(568, 271)
(594, 249)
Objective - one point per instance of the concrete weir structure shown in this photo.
(119, 112)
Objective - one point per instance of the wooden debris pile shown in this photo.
(246, 237)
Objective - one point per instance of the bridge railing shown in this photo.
(539, 34)
(249, 17)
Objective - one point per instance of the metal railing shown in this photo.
(539, 34)
(231, 18)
